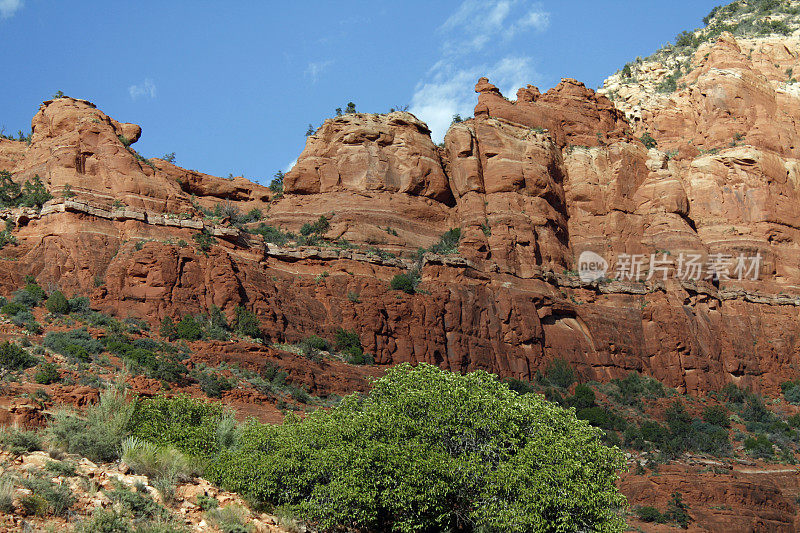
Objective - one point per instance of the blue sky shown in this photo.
(231, 87)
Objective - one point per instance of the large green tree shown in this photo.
(430, 450)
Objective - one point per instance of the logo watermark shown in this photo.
(660, 266)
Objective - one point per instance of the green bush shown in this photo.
(194, 427)
(247, 323)
(759, 446)
(406, 282)
(188, 329)
(792, 395)
(317, 228)
(650, 514)
(18, 441)
(204, 241)
(230, 519)
(167, 328)
(313, 344)
(560, 373)
(60, 468)
(448, 242)
(678, 511)
(212, 384)
(12, 357)
(648, 141)
(716, 415)
(57, 497)
(582, 398)
(6, 494)
(156, 462)
(98, 434)
(519, 386)
(602, 418)
(631, 389)
(106, 521)
(76, 343)
(57, 303)
(271, 234)
(47, 374)
(140, 506)
(431, 450)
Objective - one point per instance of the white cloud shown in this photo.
(315, 69)
(8, 8)
(476, 23)
(290, 166)
(146, 89)
(450, 90)
(477, 40)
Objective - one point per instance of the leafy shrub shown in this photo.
(139, 505)
(106, 521)
(76, 343)
(648, 141)
(34, 193)
(448, 242)
(98, 435)
(189, 329)
(406, 282)
(759, 446)
(313, 344)
(271, 234)
(230, 519)
(191, 426)
(247, 323)
(793, 395)
(47, 374)
(18, 441)
(317, 228)
(204, 241)
(716, 415)
(348, 343)
(6, 494)
(602, 418)
(212, 384)
(34, 505)
(582, 398)
(560, 373)
(678, 511)
(276, 185)
(12, 357)
(206, 502)
(155, 461)
(634, 386)
(431, 450)
(167, 328)
(650, 514)
(734, 394)
(58, 497)
(520, 387)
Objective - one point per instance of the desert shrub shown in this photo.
(792, 395)
(650, 514)
(212, 384)
(560, 373)
(271, 234)
(431, 450)
(755, 411)
(247, 323)
(759, 446)
(678, 511)
(582, 398)
(206, 502)
(167, 328)
(520, 387)
(106, 521)
(794, 420)
(58, 497)
(316, 228)
(76, 343)
(30, 296)
(602, 418)
(313, 344)
(141, 506)
(189, 329)
(229, 519)
(79, 304)
(6, 494)
(19, 441)
(34, 193)
(47, 374)
(189, 425)
(716, 415)
(99, 433)
(448, 242)
(12, 357)
(348, 343)
(155, 461)
(648, 141)
(634, 386)
(406, 282)
(34, 505)
(57, 303)
(60, 468)
(204, 241)
(276, 185)
(734, 394)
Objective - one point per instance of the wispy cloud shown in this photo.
(477, 40)
(315, 69)
(290, 166)
(8, 8)
(146, 89)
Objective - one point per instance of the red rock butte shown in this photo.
(532, 183)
